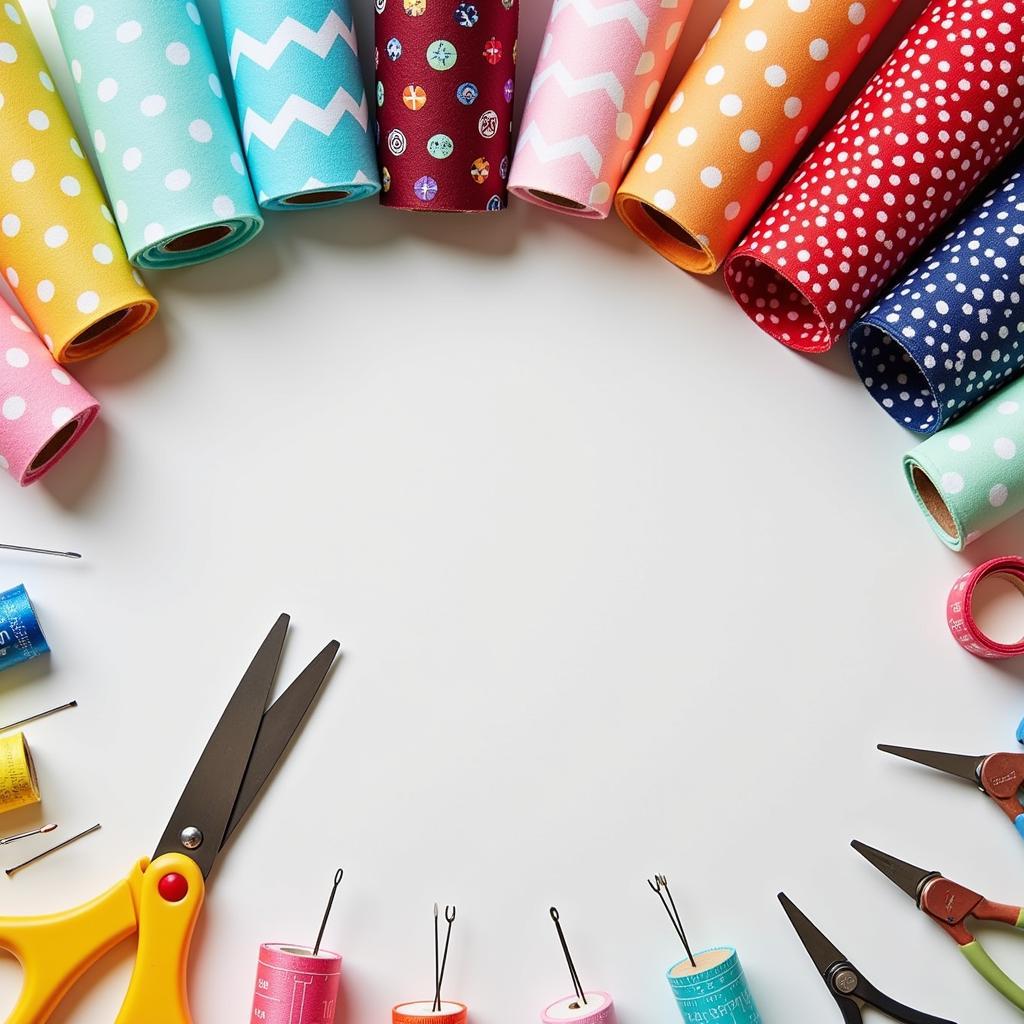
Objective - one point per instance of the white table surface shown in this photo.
(623, 586)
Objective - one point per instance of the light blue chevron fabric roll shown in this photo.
(163, 132)
(302, 106)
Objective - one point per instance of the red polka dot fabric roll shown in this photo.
(960, 607)
(445, 85)
(941, 113)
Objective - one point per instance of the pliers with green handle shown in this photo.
(951, 905)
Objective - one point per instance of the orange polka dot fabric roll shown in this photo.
(59, 248)
(940, 114)
(763, 80)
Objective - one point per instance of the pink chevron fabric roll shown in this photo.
(43, 411)
(601, 66)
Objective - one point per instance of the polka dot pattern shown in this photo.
(144, 75)
(50, 213)
(755, 90)
(942, 111)
(37, 400)
(969, 477)
(445, 91)
(336, 164)
(592, 72)
(952, 329)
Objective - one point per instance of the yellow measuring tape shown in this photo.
(18, 784)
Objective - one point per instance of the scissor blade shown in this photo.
(819, 949)
(278, 726)
(908, 877)
(212, 791)
(963, 766)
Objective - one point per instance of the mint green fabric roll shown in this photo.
(164, 136)
(969, 477)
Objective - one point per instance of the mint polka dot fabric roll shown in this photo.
(969, 478)
(164, 135)
(952, 330)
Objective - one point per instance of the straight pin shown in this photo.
(437, 962)
(24, 835)
(338, 875)
(661, 882)
(577, 987)
(35, 718)
(40, 551)
(53, 849)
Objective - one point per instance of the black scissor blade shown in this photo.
(819, 949)
(963, 766)
(278, 727)
(909, 878)
(212, 791)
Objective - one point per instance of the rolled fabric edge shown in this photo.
(943, 519)
(557, 202)
(59, 444)
(668, 237)
(917, 376)
(98, 335)
(199, 243)
(320, 197)
(738, 266)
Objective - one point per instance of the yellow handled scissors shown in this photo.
(161, 898)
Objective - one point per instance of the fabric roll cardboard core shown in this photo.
(198, 239)
(56, 444)
(555, 200)
(315, 198)
(932, 501)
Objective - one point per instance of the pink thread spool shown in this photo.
(598, 1009)
(295, 987)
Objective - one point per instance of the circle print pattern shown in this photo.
(969, 477)
(952, 329)
(444, 114)
(943, 110)
(765, 78)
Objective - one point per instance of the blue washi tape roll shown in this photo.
(715, 992)
(302, 105)
(21, 638)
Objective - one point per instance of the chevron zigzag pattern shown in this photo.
(319, 41)
(606, 81)
(625, 10)
(297, 108)
(581, 146)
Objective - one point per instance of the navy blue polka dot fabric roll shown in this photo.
(952, 328)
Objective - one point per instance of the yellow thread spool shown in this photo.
(18, 784)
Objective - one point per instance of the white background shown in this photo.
(623, 586)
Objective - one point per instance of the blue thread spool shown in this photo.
(716, 992)
(21, 638)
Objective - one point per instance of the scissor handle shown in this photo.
(170, 899)
(891, 1008)
(57, 949)
(992, 972)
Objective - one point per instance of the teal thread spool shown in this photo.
(715, 992)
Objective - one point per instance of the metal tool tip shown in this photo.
(338, 875)
(48, 828)
(554, 913)
(72, 554)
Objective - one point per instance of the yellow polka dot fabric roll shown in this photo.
(59, 248)
(765, 77)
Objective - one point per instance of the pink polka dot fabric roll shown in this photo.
(43, 410)
(940, 114)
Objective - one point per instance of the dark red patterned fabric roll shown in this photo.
(445, 86)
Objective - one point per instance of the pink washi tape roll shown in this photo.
(43, 410)
(598, 1009)
(295, 987)
(960, 607)
(601, 66)
(419, 1013)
